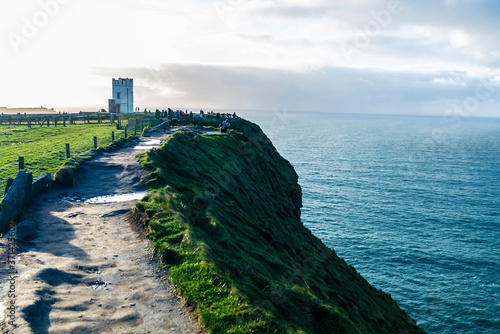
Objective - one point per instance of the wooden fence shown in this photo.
(57, 120)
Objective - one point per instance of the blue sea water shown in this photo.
(413, 203)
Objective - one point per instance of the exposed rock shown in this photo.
(40, 183)
(66, 176)
(14, 200)
(18, 193)
(27, 230)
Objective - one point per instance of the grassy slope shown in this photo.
(225, 219)
(44, 148)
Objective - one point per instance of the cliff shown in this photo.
(224, 215)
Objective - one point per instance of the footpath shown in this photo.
(82, 264)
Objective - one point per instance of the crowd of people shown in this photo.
(224, 126)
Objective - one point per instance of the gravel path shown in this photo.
(83, 267)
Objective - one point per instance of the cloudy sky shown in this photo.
(364, 56)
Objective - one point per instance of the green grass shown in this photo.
(43, 148)
(225, 220)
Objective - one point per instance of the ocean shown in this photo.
(413, 203)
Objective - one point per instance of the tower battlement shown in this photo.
(123, 82)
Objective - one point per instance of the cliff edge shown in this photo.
(224, 215)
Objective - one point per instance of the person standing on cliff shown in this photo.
(225, 126)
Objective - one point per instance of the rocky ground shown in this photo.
(83, 266)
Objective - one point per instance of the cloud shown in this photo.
(457, 34)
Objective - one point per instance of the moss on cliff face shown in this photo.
(225, 218)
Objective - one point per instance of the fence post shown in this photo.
(21, 163)
(64, 120)
(95, 142)
(68, 153)
(125, 132)
(113, 136)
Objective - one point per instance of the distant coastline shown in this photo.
(36, 110)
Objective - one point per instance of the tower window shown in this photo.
(118, 95)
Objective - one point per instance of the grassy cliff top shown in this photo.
(224, 215)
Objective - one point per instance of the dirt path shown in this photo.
(83, 267)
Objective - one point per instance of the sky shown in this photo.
(416, 57)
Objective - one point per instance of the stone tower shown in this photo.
(123, 96)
